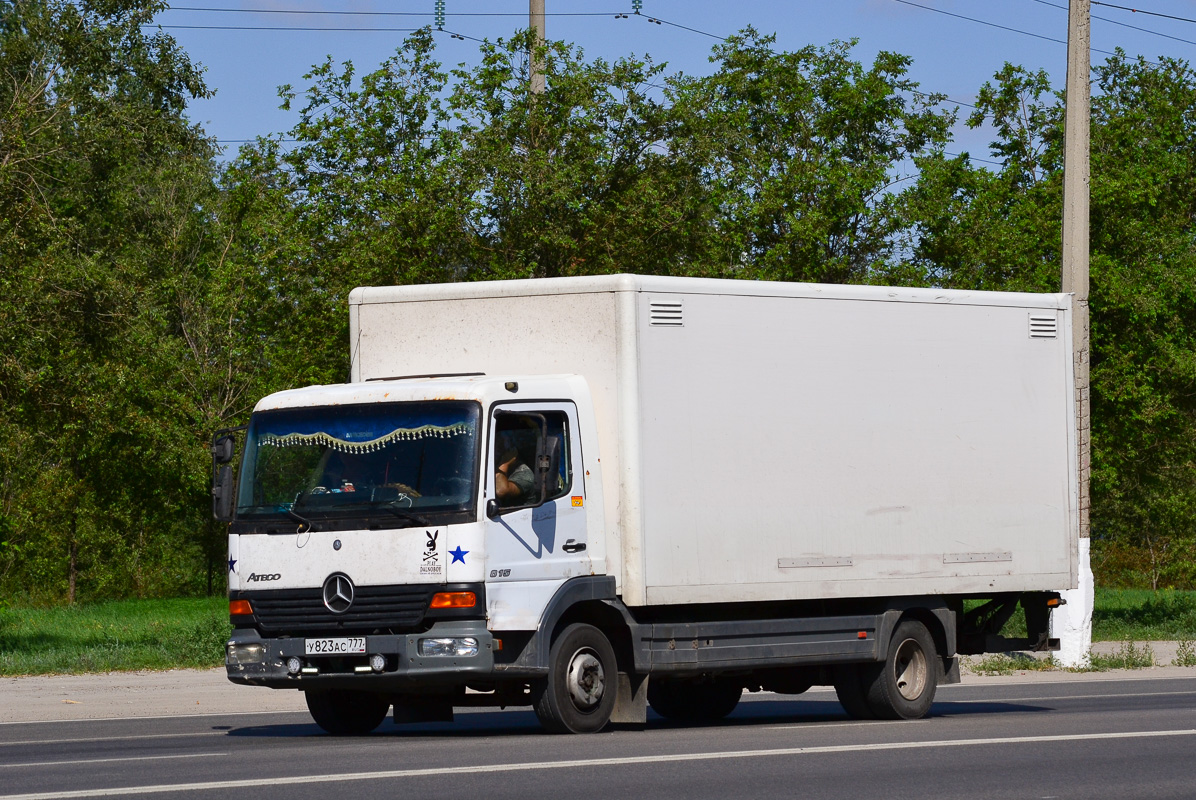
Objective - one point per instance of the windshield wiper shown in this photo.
(299, 519)
(401, 514)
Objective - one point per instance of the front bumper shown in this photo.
(405, 668)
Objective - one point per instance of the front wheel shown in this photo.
(904, 686)
(578, 696)
(346, 713)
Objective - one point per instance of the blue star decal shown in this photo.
(458, 555)
(232, 565)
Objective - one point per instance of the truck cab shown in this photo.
(370, 544)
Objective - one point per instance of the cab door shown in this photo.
(536, 535)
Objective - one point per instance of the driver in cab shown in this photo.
(514, 482)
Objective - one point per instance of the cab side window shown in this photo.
(531, 458)
(558, 432)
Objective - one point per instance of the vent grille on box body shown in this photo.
(1043, 326)
(666, 313)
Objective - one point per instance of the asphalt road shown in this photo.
(1123, 737)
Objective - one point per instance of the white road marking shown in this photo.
(166, 788)
(759, 696)
(1067, 697)
(159, 716)
(939, 699)
(107, 760)
(116, 738)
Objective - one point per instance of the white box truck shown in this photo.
(594, 494)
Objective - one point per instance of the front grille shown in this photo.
(302, 611)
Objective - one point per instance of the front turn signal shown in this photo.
(239, 608)
(454, 600)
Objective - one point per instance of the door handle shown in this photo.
(573, 546)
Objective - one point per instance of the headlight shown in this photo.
(245, 653)
(463, 646)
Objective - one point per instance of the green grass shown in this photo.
(1009, 663)
(1122, 615)
(1185, 654)
(1128, 656)
(165, 634)
(119, 635)
(1143, 615)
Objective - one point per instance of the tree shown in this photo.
(1000, 230)
(800, 155)
(100, 178)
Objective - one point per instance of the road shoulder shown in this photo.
(129, 695)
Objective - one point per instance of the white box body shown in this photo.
(783, 441)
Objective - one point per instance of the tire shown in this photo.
(692, 701)
(904, 686)
(346, 713)
(850, 688)
(578, 696)
(793, 680)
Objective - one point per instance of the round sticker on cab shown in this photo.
(577, 501)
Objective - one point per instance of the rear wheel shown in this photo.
(346, 713)
(904, 687)
(578, 696)
(850, 688)
(693, 701)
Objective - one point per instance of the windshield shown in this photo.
(398, 460)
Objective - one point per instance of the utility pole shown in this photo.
(1072, 623)
(535, 21)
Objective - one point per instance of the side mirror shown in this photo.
(223, 449)
(491, 508)
(222, 494)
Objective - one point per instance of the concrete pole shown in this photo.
(535, 21)
(1073, 622)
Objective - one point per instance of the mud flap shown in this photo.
(631, 700)
(950, 671)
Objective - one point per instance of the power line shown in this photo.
(301, 28)
(995, 25)
(971, 157)
(1124, 24)
(660, 21)
(172, 27)
(1140, 11)
(387, 13)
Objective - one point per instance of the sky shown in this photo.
(956, 45)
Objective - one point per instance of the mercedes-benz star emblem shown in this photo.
(338, 593)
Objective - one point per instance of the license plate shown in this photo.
(334, 647)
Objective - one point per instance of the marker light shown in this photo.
(239, 608)
(454, 600)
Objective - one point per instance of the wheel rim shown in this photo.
(585, 679)
(910, 669)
